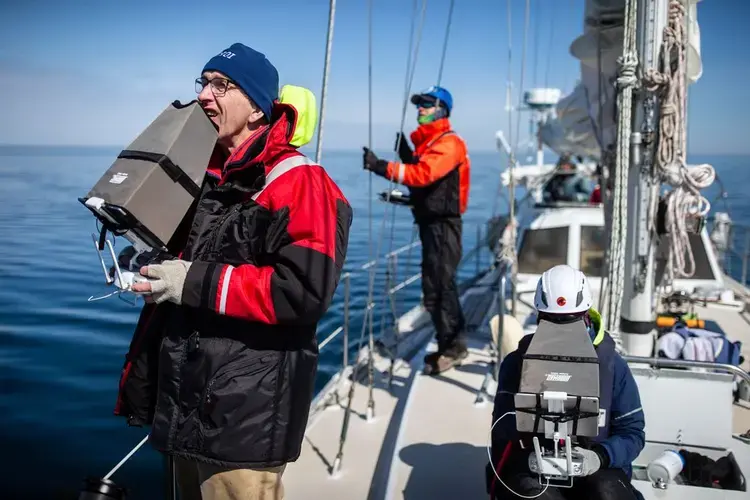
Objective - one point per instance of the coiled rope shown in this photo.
(685, 199)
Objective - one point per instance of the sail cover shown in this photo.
(583, 125)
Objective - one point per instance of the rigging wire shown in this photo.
(551, 40)
(439, 81)
(326, 70)
(566, 79)
(523, 74)
(371, 404)
(445, 42)
(598, 126)
(414, 56)
(511, 248)
(408, 79)
(369, 126)
(411, 64)
(508, 109)
(509, 85)
(537, 34)
(367, 320)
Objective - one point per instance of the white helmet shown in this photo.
(563, 290)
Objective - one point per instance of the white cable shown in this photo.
(489, 455)
(126, 458)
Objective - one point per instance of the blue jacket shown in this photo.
(623, 437)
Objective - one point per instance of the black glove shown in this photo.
(403, 149)
(372, 163)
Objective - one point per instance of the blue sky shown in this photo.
(97, 72)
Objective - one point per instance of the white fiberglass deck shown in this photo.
(428, 438)
(443, 439)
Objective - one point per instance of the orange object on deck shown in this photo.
(663, 321)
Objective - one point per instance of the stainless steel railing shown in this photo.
(683, 363)
(480, 255)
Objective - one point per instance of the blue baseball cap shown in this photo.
(250, 71)
(433, 94)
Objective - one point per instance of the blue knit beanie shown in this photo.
(251, 71)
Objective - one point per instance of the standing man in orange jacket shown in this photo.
(437, 174)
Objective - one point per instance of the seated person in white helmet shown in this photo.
(563, 296)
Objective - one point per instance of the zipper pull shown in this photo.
(194, 342)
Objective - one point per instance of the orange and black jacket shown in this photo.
(227, 377)
(438, 173)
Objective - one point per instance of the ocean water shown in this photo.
(61, 356)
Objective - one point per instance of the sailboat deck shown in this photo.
(443, 440)
(428, 438)
(368, 447)
(736, 325)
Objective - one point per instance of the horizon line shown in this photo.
(332, 148)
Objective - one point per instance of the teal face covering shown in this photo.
(438, 114)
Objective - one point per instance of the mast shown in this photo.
(637, 318)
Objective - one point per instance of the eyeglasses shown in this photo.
(219, 86)
(426, 105)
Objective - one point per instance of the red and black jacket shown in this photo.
(235, 364)
(438, 173)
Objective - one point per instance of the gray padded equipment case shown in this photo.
(560, 357)
(152, 184)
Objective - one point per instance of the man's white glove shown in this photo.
(168, 279)
(591, 460)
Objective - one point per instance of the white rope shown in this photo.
(626, 81)
(684, 200)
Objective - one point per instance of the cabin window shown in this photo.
(593, 247)
(542, 249)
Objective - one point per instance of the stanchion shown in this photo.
(104, 488)
(101, 489)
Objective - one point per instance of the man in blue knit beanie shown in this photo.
(224, 356)
(237, 89)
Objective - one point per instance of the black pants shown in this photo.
(604, 484)
(441, 254)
